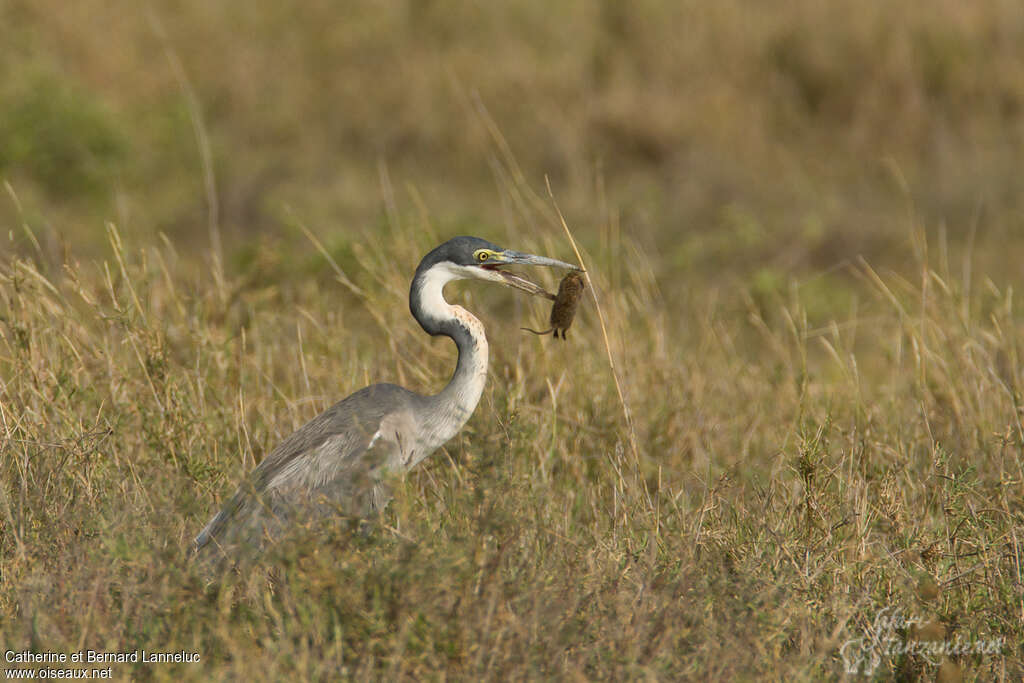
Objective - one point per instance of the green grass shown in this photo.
(803, 222)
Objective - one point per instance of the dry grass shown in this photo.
(826, 396)
(792, 481)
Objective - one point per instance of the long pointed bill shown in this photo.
(521, 259)
(509, 257)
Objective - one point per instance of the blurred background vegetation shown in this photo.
(752, 138)
(804, 219)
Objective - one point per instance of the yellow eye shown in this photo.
(482, 255)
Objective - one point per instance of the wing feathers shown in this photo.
(335, 461)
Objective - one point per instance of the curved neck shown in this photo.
(456, 402)
(467, 382)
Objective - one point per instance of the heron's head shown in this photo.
(463, 258)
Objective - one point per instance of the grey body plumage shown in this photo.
(337, 461)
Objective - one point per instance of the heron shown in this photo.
(339, 460)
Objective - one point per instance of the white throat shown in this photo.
(456, 402)
(432, 301)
